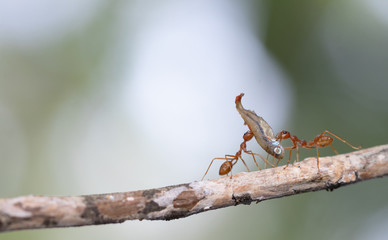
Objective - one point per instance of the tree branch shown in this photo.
(172, 202)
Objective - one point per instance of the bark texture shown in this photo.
(172, 202)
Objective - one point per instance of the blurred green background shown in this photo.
(106, 96)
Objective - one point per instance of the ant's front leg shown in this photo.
(289, 157)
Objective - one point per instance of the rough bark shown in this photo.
(172, 202)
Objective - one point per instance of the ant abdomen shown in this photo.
(225, 168)
(323, 141)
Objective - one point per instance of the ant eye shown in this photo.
(284, 132)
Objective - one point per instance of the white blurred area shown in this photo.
(41, 22)
(186, 66)
(379, 9)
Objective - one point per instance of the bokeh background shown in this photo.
(107, 96)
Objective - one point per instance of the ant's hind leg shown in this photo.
(231, 174)
(319, 171)
(333, 148)
(341, 139)
(235, 161)
(225, 158)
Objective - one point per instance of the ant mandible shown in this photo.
(320, 141)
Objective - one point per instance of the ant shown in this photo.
(319, 141)
(231, 160)
(263, 134)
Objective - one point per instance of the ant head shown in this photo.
(284, 135)
(225, 168)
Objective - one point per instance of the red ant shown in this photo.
(319, 141)
(231, 160)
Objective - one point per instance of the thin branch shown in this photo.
(172, 202)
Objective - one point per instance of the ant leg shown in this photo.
(267, 161)
(235, 161)
(317, 158)
(231, 174)
(247, 136)
(333, 148)
(244, 163)
(264, 160)
(343, 140)
(273, 156)
(273, 160)
(297, 153)
(225, 158)
(253, 156)
(277, 163)
(254, 159)
(289, 159)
